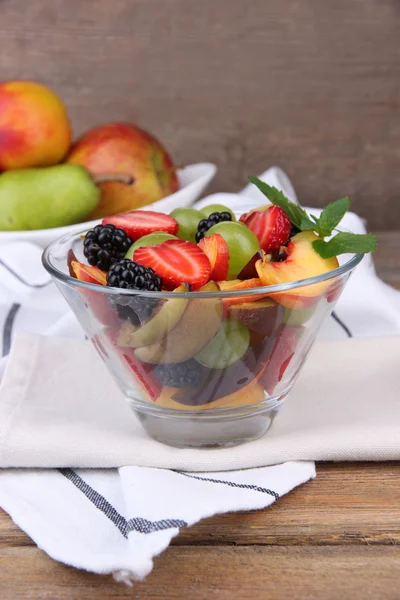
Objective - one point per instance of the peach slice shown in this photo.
(238, 284)
(163, 320)
(302, 262)
(89, 274)
(261, 317)
(199, 323)
(253, 394)
(94, 301)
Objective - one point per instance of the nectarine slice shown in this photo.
(199, 323)
(302, 262)
(238, 284)
(97, 302)
(87, 273)
(253, 394)
(261, 316)
(163, 320)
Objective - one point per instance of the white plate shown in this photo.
(193, 180)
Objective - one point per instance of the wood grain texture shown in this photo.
(387, 257)
(312, 86)
(225, 573)
(347, 504)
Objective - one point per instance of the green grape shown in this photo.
(188, 219)
(228, 345)
(242, 244)
(207, 210)
(151, 239)
(297, 316)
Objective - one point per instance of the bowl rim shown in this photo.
(67, 279)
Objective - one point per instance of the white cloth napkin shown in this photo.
(344, 407)
(117, 519)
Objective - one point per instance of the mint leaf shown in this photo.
(332, 215)
(346, 242)
(307, 225)
(293, 211)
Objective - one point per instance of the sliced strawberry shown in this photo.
(286, 340)
(334, 291)
(217, 251)
(87, 273)
(141, 372)
(272, 227)
(137, 223)
(176, 262)
(245, 216)
(144, 374)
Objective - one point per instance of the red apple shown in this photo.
(34, 126)
(124, 148)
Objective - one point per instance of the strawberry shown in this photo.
(217, 251)
(176, 262)
(286, 340)
(335, 290)
(142, 373)
(271, 226)
(137, 223)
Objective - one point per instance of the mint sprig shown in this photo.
(295, 213)
(323, 226)
(345, 242)
(331, 216)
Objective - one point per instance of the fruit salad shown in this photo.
(208, 324)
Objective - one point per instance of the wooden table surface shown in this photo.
(334, 538)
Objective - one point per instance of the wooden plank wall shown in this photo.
(311, 85)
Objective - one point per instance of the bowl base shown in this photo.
(195, 432)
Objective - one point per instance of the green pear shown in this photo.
(46, 197)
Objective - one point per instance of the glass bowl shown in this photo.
(201, 369)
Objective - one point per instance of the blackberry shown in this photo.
(128, 275)
(293, 231)
(205, 224)
(104, 245)
(185, 374)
